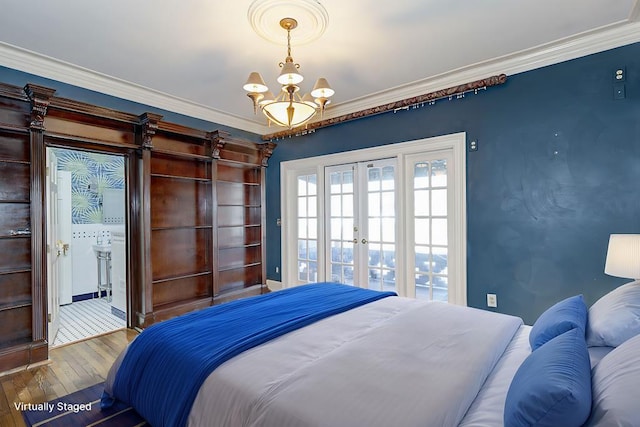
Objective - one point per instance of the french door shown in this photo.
(361, 224)
(398, 223)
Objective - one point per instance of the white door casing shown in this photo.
(54, 249)
(404, 153)
(65, 235)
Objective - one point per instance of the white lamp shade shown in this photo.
(623, 256)
(289, 74)
(255, 83)
(322, 89)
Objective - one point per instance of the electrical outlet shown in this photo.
(492, 300)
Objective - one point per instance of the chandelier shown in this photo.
(288, 109)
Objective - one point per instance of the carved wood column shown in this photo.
(266, 150)
(217, 142)
(40, 98)
(144, 295)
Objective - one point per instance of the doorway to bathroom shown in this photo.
(86, 244)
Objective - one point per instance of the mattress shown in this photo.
(396, 361)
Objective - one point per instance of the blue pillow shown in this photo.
(552, 387)
(558, 319)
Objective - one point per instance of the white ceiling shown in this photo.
(193, 57)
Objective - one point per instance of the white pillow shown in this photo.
(615, 317)
(614, 383)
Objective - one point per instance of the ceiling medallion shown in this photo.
(265, 15)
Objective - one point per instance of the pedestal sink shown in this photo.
(101, 248)
(103, 255)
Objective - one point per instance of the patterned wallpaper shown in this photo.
(90, 170)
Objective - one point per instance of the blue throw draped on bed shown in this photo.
(165, 366)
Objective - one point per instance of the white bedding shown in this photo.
(396, 361)
(488, 407)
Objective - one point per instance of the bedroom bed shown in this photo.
(386, 361)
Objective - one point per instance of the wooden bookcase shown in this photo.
(240, 227)
(15, 239)
(195, 212)
(181, 237)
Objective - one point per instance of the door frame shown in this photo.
(132, 214)
(289, 170)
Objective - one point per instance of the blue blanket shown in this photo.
(166, 364)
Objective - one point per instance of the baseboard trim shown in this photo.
(274, 285)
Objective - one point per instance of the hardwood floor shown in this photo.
(72, 368)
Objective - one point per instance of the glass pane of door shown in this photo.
(431, 207)
(379, 235)
(307, 228)
(341, 227)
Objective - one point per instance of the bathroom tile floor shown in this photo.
(84, 319)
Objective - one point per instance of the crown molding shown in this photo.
(45, 66)
(587, 43)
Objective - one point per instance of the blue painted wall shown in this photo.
(557, 171)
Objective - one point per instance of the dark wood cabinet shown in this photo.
(195, 216)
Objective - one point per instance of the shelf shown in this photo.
(181, 154)
(239, 267)
(226, 181)
(239, 225)
(238, 163)
(184, 178)
(248, 245)
(22, 162)
(15, 201)
(186, 276)
(183, 227)
(17, 304)
(238, 206)
(14, 271)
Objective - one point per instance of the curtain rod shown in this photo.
(392, 106)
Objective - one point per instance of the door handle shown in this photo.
(355, 241)
(20, 232)
(364, 241)
(62, 247)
